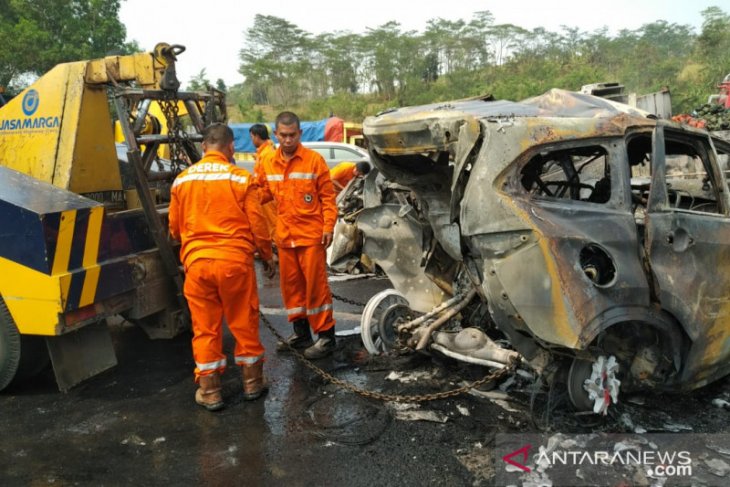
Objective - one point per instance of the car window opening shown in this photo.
(579, 174)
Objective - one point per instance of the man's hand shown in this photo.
(327, 239)
(269, 268)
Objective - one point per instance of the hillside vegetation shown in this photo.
(354, 75)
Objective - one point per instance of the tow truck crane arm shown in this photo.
(74, 248)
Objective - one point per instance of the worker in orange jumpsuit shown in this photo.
(345, 172)
(216, 215)
(264, 148)
(299, 180)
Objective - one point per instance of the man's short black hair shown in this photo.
(287, 118)
(363, 167)
(218, 134)
(260, 130)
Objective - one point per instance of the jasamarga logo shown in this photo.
(30, 103)
(30, 123)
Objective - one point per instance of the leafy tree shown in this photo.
(275, 60)
(713, 46)
(505, 39)
(199, 82)
(38, 34)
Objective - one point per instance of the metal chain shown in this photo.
(347, 300)
(176, 134)
(493, 376)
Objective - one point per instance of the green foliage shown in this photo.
(355, 75)
(199, 82)
(38, 34)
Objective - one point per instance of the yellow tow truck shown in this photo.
(83, 233)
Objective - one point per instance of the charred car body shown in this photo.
(566, 229)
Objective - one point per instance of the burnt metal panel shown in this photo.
(394, 241)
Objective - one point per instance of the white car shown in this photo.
(337, 152)
(333, 153)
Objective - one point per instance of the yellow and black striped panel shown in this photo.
(96, 250)
(77, 239)
(45, 227)
(86, 254)
(76, 251)
(106, 247)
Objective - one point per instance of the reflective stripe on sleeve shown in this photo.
(211, 365)
(324, 307)
(274, 177)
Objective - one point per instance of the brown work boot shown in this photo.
(254, 382)
(301, 338)
(209, 394)
(323, 347)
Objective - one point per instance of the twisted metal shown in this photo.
(495, 375)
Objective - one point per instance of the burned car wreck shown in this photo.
(584, 236)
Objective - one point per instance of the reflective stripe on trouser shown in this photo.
(214, 289)
(304, 286)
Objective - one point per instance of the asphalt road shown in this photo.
(138, 424)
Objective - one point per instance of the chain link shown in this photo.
(176, 134)
(347, 300)
(498, 374)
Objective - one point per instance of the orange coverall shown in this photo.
(216, 215)
(267, 149)
(343, 173)
(306, 209)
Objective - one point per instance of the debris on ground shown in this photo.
(499, 398)
(408, 377)
(721, 403)
(134, 440)
(718, 467)
(348, 277)
(463, 410)
(412, 412)
(676, 427)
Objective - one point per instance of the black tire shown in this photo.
(21, 357)
(9, 347)
(580, 370)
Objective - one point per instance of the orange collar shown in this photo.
(297, 153)
(214, 155)
(263, 146)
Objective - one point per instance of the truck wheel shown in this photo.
(9, 347)
(21, 357)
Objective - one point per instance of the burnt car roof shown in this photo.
(435, 126)
(553, 103)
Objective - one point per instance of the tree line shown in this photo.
(354, 75)
(35, 35)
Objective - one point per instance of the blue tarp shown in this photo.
(311, 132)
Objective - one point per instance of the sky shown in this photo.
(213, 31)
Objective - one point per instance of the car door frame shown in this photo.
(683, 247)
